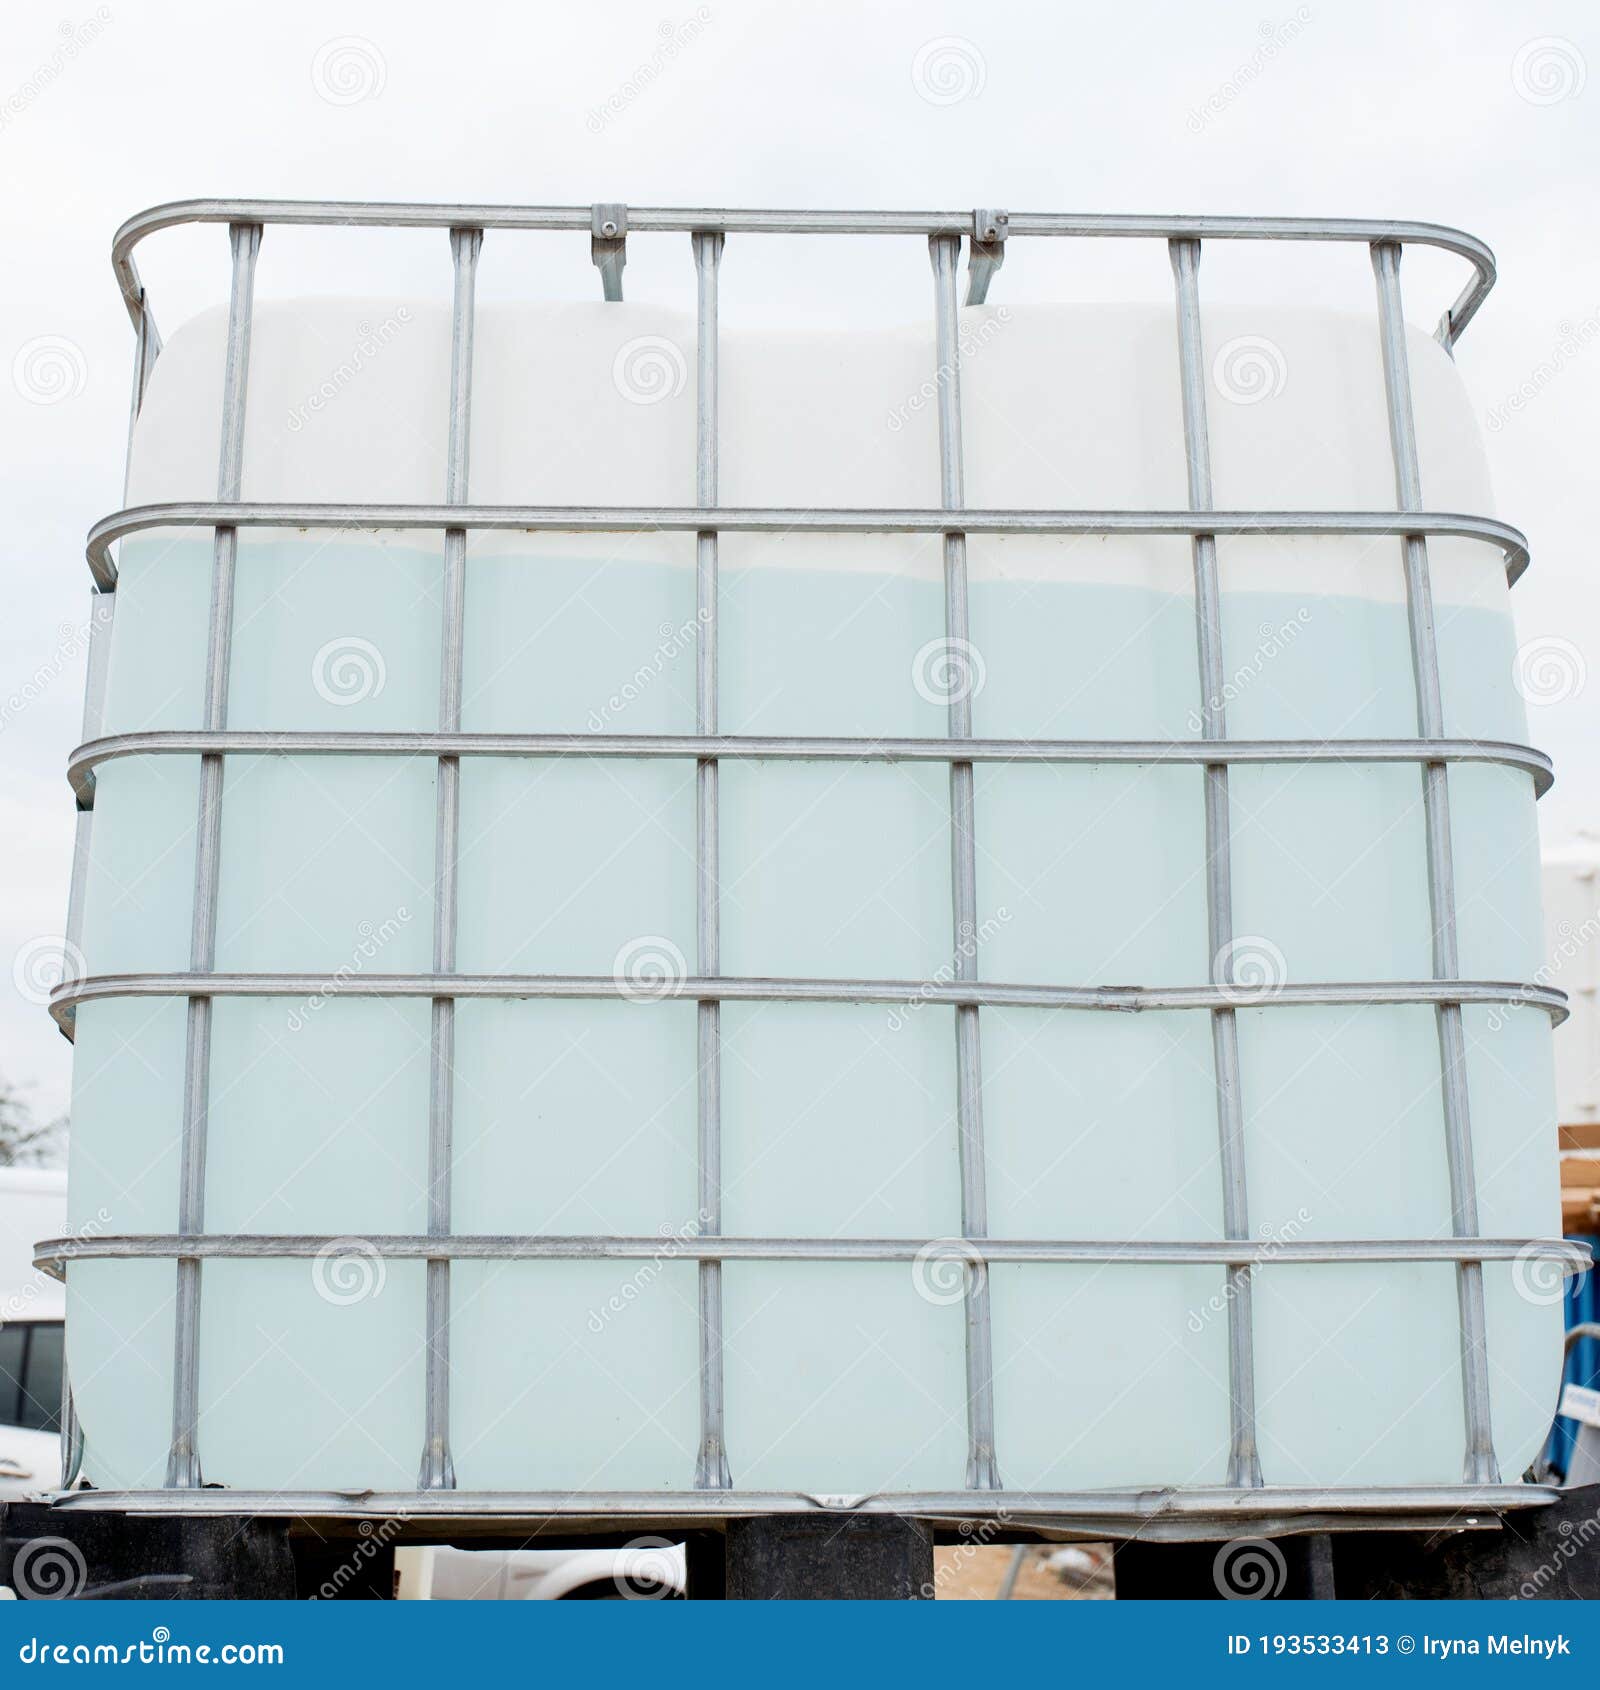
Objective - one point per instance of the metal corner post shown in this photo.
(183, 1458)
(438, 1469)
(1244, 1462)
(982, 1467)
(1480, 1465)
(711, 1466)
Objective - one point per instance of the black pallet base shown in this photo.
(1538, 1554)
(1541, 1554)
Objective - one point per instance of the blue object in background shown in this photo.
(1583, 1364)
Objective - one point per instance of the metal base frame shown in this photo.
(1162, 1515)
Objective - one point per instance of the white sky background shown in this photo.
(1482, 115)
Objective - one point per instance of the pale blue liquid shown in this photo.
(838, 1120)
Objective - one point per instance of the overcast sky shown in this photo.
(1479, 115)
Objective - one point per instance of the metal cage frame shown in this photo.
(1199, 1511)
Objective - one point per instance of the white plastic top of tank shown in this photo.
(1065, 407)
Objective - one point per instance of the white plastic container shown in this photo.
(838, 1120)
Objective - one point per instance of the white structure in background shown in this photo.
(33, 1205)
(647, 1569)
(1572, 927)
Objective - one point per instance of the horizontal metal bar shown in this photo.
(51, 1254)
(1154, 1513)
(268, 742)
(631, 519)
(727, 988)
(424, 215)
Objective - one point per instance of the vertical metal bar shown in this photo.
(143, 362)
(183, 1459)
(982, 1469)
(1244, 1464)
(102, 608)
(711, 1466)
(1480, 1466)
(608, 247)
(438, 1469)
(102, 613)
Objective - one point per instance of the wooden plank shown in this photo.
(1580, 1170)
(1580, 1211)
(1581, 1135)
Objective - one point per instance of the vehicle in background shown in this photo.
(650, 1569)
(33, 1205)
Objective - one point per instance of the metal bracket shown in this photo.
(986, 252)
(608, 237)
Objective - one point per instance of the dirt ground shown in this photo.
(1049, 1573)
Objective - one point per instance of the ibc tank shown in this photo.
(582, 1118)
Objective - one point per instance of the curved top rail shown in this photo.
(425, 215)
(730, 519)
